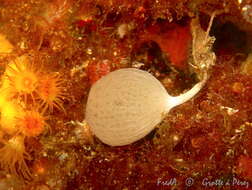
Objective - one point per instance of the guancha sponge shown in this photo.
(127, 104)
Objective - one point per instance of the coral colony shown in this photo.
(26, 93)
(125, 94)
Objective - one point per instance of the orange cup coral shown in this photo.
(24, 86)
(31, 123)
(51, 92)
(6, 47)
(22, 77)
(10, 110)
(13, 155)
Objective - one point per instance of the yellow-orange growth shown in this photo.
(31, 123)
(10, 110)
(22, 77)
(13, 155)
(51, 92)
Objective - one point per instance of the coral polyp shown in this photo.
(51, 92)
(3, 97)
(13, 155)
(10, 110)
(22, 77)
(31, 123)
(6, 47)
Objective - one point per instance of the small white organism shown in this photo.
(127, 104)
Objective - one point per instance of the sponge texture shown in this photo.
(125, 105)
